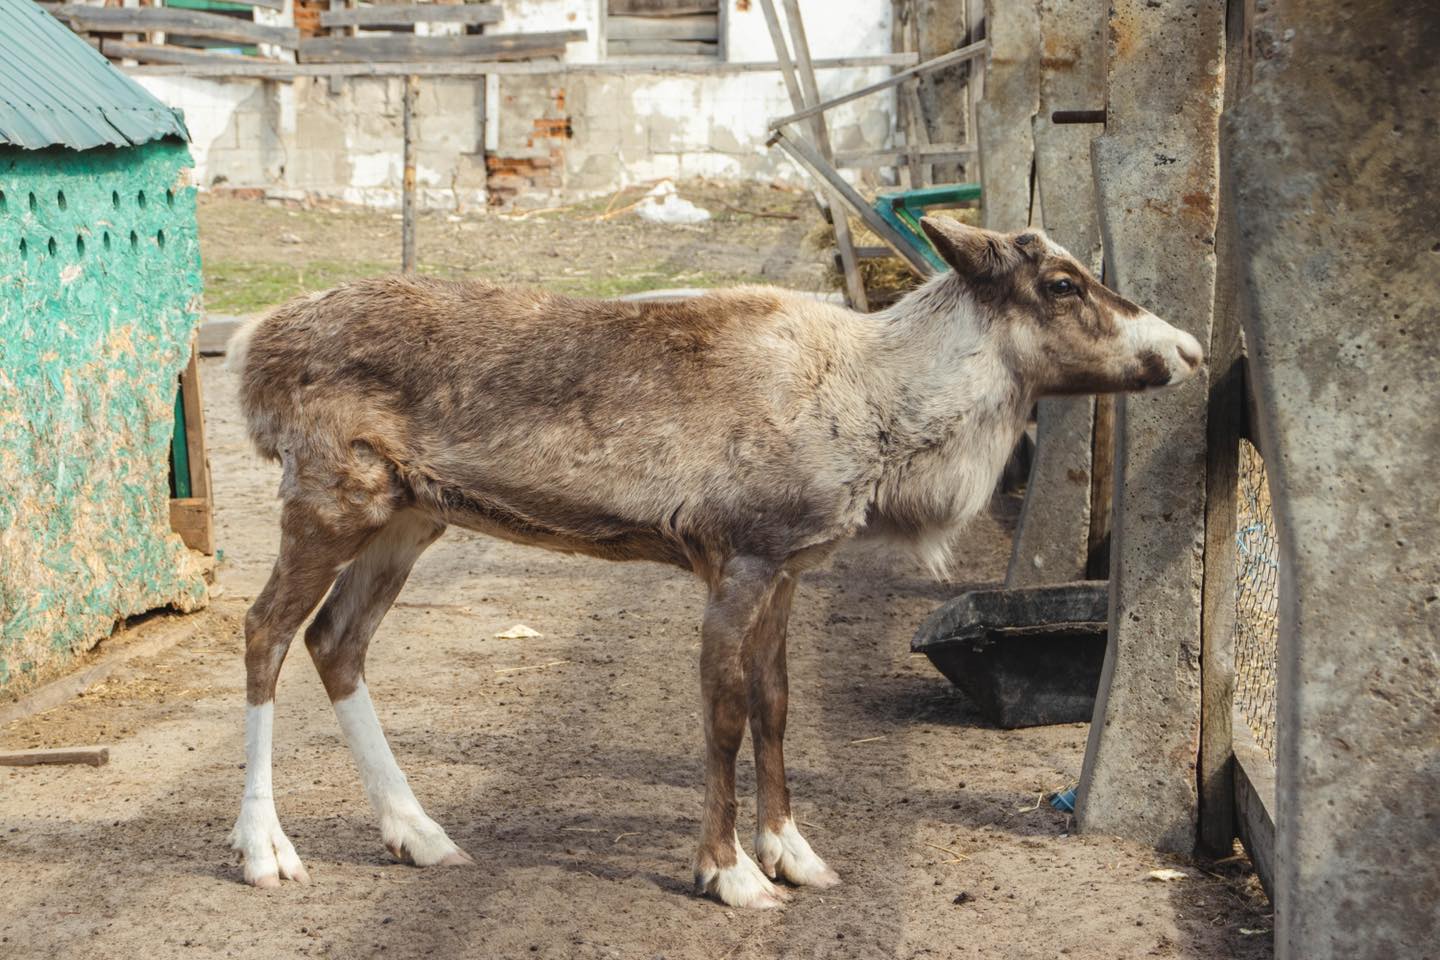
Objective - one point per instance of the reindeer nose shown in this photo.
(1190, 351)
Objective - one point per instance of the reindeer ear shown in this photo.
(974, 253)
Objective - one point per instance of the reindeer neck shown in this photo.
(951, 410)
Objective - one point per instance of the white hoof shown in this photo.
(417, 839)
(268, 853)
(739, 885)
(787, 854)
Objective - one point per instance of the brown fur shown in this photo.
(741, 435)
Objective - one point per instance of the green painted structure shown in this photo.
(100, 290)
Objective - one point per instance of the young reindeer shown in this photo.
(741, 435)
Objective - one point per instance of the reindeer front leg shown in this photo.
(781, 849)
(738, 597)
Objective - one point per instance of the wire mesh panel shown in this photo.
(1257, 586)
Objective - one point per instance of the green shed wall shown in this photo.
(99, 291)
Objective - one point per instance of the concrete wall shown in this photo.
(1331, 150)
(548, 137)
(98, 296)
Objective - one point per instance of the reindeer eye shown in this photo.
(1061, 288)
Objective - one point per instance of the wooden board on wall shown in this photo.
(699, 27)
(661, 8)
(160, 53)
(193, 517)
(404, 47)
(400, 16)
(191, 23)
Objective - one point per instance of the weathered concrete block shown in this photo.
(1156, 167)
(1025, 657)
(1332, 152)
(1003, 118)
(1052, 540)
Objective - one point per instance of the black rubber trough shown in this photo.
(1026, 657)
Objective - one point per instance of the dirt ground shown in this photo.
(569, 767)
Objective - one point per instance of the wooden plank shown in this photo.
(969, 52)
(472, 68)
(702, 27)
(849, 267)
(1254, 778)
(93, 756)
(156, 53)
(889, 158)
(805, 71)
(661, 48)
(192, 23)
(405, 47)
(391, 15)
(195, 424)
(1217, 595)
(662, 8)
(1102, 488)
(805, 155)
(192, 519)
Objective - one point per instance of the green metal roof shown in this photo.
(55, 89)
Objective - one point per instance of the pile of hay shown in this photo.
(886, 280)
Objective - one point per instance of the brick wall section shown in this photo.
(538, 168)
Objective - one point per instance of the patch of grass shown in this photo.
(244, 286)
(247, 286)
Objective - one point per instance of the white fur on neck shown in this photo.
(958, 410)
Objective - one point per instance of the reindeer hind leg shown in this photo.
(338, 640)
(310, 553)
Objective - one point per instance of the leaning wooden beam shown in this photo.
(157, 53)
(805, 71)
(805, 155)
(94, 756)
(933, 152)
(404, 47)
(844, 243)
(970, 52)
(478, 68)
(191, 23)
(397, 16)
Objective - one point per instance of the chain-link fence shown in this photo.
(1257, 592)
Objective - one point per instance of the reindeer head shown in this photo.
(1066, 332)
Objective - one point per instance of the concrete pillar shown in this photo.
(1332, 151)
(1052, 541)
(1003, 118)
(1156, 166)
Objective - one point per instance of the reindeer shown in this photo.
(741, 435)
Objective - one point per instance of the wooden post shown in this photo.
(1217, 601)
(1102, 489)
(1224, 426)
(407, 202)
(917, 134)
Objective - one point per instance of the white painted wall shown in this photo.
(343, 141)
